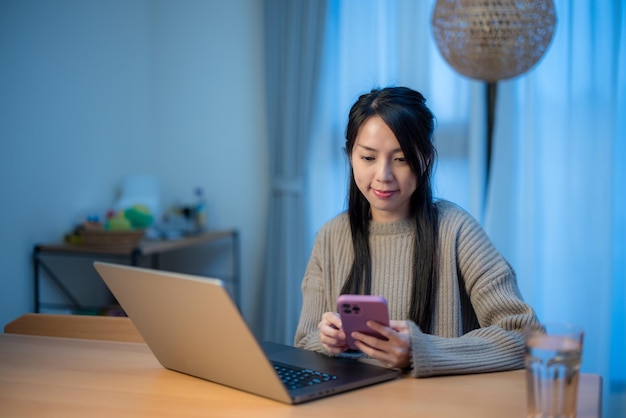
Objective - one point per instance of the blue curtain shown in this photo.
(557, 206)
(294, 32)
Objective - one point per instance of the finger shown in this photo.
(331, 334)
(392, 337)
(399, 326)
(332, 319)
(389, 355)
(332, 338)
(373, 341)
(397, 331)
(382, 356)
(333, 345)
(387, 332)
(331, 331)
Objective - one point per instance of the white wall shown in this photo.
(95, 91)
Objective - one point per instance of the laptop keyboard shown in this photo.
(295, 377)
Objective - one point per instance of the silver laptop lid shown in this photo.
(192, 326)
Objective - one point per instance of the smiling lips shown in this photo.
(383, 194)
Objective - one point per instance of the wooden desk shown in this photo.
(86, 327)
(47, 376)
(147, 248)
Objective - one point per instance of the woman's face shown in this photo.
(380, 171)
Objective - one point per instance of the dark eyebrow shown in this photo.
(366, 148)
(373, 150)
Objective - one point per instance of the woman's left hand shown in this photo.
(395, 352)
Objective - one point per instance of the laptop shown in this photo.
(192, 326)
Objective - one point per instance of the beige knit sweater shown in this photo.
(479, 312)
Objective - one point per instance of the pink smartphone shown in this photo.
(356, 310)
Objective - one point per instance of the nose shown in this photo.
(384, 172)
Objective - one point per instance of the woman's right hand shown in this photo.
(331, 333)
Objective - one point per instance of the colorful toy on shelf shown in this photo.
(135, 217)
(139, 216)
(118, 222)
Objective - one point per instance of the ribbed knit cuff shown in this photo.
(420, 363)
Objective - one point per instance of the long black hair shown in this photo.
(406, 114)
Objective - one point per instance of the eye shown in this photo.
(400, 160)
(367, 158)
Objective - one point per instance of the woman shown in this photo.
(453, 299)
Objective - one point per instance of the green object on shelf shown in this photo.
(139, 216)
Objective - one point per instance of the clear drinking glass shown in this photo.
(553, 356)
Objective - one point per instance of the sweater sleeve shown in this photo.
(496, 343)
(328, 266)
(314, 292)
(307, 335)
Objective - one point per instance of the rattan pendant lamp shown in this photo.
(493, 40)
